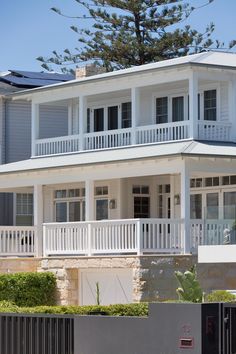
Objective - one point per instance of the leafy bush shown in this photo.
(139, 309)
(220, 296)
(28, 289)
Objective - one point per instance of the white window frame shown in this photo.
(67, 200)
(201, 91)
(177, 93)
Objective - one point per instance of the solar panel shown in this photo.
(26, 82)
(42, 75)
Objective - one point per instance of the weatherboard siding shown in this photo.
(53, 122)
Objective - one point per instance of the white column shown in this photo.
(185, 208)
(38, 219)
(34, 127)
(172, 195)
(82, 120)
(193, 105)
(135, 99)
(89, 200)
(70, 118)
(76, 117)
(232, 108)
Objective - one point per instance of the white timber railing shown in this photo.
(107, 139)
(17, 240)
(214, 131)
(208, 232)
(113, 237)
(58, 145)
(162, 132)
(207, 130)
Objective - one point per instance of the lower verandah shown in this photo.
(128, 216)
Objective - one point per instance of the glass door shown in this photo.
(98, 115)
(212, 206)
(112, 113)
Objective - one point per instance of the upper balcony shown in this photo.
(114, 112)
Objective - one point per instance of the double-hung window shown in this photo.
(24, 209)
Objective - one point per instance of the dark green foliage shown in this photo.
(139, 309)
(28, 289)
(123, 33)
(220, 296)
(189, 289)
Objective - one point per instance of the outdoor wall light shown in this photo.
(112, 204)
(177, 199)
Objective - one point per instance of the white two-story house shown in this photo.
(145, 169)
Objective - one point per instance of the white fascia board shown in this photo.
(107, 86)
(151, 167)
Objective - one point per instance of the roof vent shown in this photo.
(89, 70)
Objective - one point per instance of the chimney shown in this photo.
(89, 70)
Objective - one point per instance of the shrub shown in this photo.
(139, 309)
(220, 296)
(28, 289)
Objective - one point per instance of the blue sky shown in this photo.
(29, 29)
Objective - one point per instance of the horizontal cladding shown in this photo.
(53, 122)
(18, 131)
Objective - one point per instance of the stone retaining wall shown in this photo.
(153, 276)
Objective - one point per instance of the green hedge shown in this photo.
(220, 296)
(28, 289)
(139, 309)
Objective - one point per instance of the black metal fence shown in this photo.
(24, 334)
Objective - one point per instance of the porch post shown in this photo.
(232, 108)
(185, 209)
(82, 120)
(70, 117)
(34, 127)
(38, 219)
(89, 210)
(89, 200)
(193, 105)
(135, 99)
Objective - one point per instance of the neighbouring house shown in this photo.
(140, 178)
(15, 125)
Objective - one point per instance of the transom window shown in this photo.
(212, 181)
(101, 190)
(139, 189)
(69, 193)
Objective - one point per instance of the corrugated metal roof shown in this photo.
(211, 58)
(182, 148)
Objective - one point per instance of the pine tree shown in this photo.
(124, 33)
